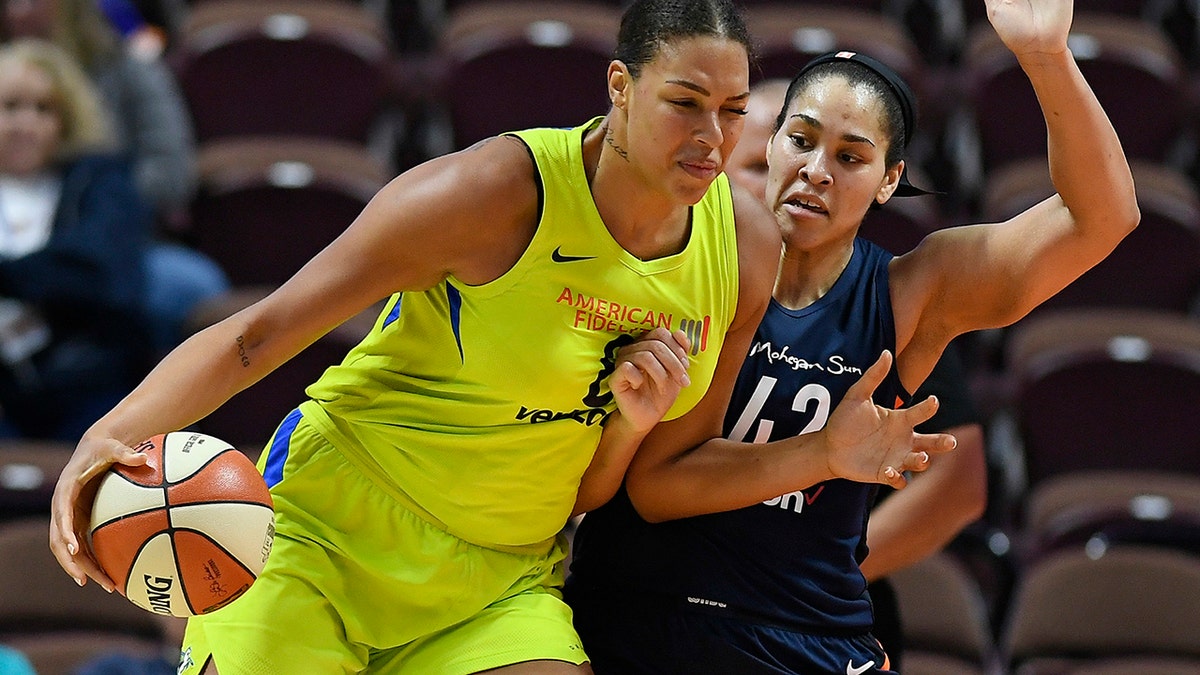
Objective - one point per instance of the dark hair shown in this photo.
(897, 124)
(649, 24)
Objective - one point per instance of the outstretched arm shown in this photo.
(968, 278)
(862, 442)
(412, 234)
(685, 467)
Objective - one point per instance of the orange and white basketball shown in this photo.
(188, 532)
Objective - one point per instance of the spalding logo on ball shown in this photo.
(188, 532)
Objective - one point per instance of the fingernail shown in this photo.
(889, 472)
(924, 457)
(78, 581)
(73, 550)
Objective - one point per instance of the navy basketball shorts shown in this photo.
(662, 637)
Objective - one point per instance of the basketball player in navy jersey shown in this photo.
(909, 525)
(708, 561)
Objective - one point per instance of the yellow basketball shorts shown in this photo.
(356, 583)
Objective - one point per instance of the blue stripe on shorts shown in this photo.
(278, 452)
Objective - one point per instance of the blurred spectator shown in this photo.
(13, 662)
(142, 39)
(153, 128)
(73, 230)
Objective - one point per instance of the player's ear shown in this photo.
(891, 180)
(618, 81)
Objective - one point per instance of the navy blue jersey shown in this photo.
(791, 561)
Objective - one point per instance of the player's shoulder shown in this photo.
(491, 179)
(759, 243)
(754, 221)
(500, 162)
(758, 235)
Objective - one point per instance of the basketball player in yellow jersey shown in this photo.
(557, 294)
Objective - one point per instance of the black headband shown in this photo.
(904, 94)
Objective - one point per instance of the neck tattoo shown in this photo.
(608, 139)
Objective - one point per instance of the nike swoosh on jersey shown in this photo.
(558, 257)
(851, 670)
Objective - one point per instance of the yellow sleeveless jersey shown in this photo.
(482, 405)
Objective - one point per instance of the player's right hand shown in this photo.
(71, 505)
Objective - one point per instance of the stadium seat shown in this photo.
(515, 64)
(294, 67)
(265, 205)
(1107, 508)
(1128, 63)
(1073, 612)
(1132, 665)
(1157, 266)
(945, 618)
(28, 471)
(57, 623)
(787, 38)
(1106, 389)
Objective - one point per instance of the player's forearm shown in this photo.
(192, 381)
(618, 443)
(722, 475)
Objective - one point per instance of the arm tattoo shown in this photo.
(241, 350)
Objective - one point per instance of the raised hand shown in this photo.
(872, 444)
(1031, 26)
(649, 376)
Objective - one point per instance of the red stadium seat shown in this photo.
(298, 67)
(57, 623)
(265, 205)
(1106, 390)
(1155, 267)
(28, 471)
(1083, 508)
(1126, 61)
(515, 64)
(788, 37)
(945, 618)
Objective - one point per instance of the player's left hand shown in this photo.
(872, 444)
(649, 375)
(1031, 26)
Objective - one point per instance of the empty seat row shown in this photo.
(320, 67)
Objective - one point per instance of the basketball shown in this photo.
(188, 532)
